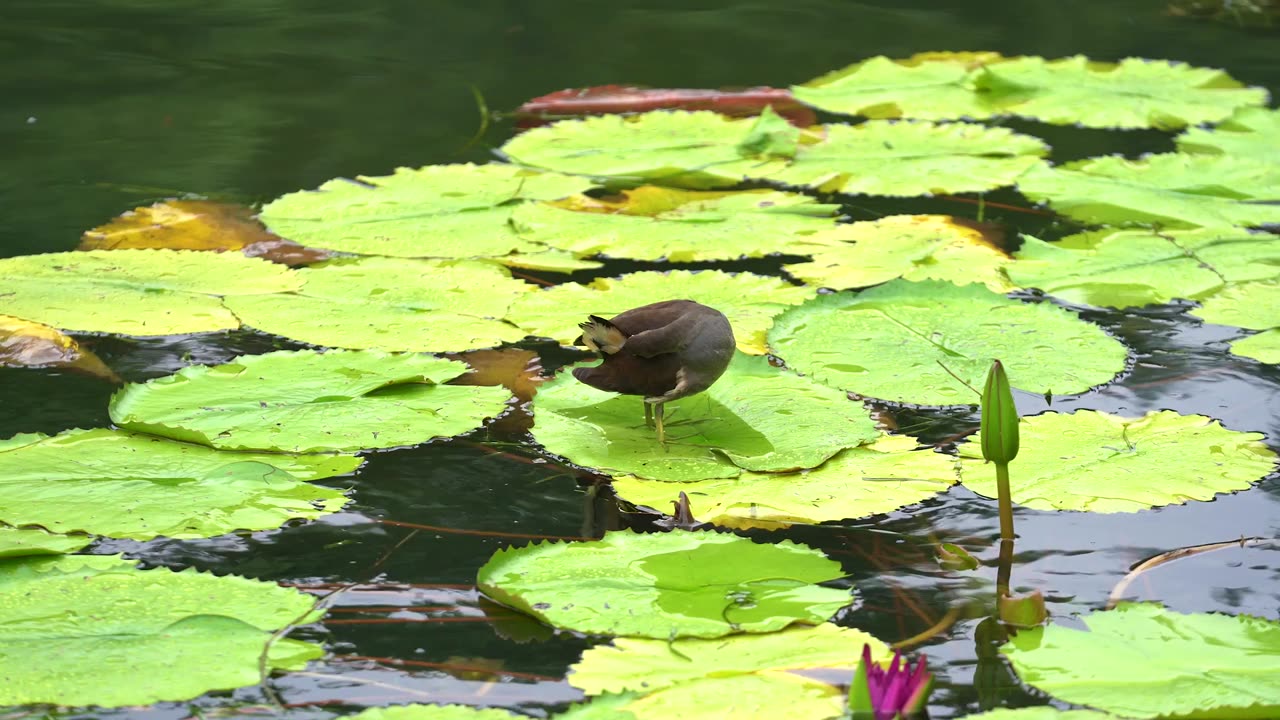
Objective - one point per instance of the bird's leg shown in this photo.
(657, 417)
(648, 415)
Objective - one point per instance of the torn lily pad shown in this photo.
(309, 401)
(136, 292)
(1132, 268)
(749, 301)
(881, 477)
(912, 247)
(1162, 458)
(926, 86)
(152, 636)
(21, 542)
(1251, 132)
(666, 585)
(1169, 190)
(841, 340)
(653, 223)
(437, 211)
(1144, 661)
(397, 305)
(1134, 93)
(756, 417)
(128, 485)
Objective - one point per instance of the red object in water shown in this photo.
(621, 99)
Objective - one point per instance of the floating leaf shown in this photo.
(1263, 347)
(20, 542)
(742, 697)
(135, 292)
(644, 665)
(859, 482)
(653, 223)
(435, 712)
(1162, 458)
(1251, 133)
(913, 247)
(756, 417)
(1143, 661)
(1044, 712)
(29, 344)
(309, 401)
(127, 485)
(108, 634)
(684, 149)
(905, 159)
(397, 305)
(1254, 306)
(666, 585)
(1131, 268)
(548, 261)
(442, 211)
(1169, 190)
(1135, 93)
(927, 86)
(770, 137)
(892, 341)
(749, 301)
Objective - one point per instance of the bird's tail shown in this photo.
(601, 335)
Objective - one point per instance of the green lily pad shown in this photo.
(743, 697)
(148, 636)
(435, 712)
(1134, 93)
(906, 159)
(1143, 661)
(1169, 190)
(666, 585)
(892, 341)
(439, 211)
(1044, 712)
(548, 261)
(1098, 462)
(397, 305)
(1251, 132)
(859, 482)
(136, 292)
(1263, 347)
(20, 542)
(1254, 306)
(309, 401)
(913, 247)
(127, 485)
(928, 86)
(756, 417)
(679, 226)
(645, 665)
(681, 149)
(1131, 268)
(749, 301)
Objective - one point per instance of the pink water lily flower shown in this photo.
(897, 691)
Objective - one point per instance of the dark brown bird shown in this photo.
(664, 351)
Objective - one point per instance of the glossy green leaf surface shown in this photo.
(1263, 347)
(309, 401)
(844, 340)
(931, 86)
(20, 542)
(434, 712)
(153, 635)
(880, 477)
(440, 211)
(1162, 458)
(756, 417)
(1143, 661)
(666, 585)
(1254, 306)
(1251, 132)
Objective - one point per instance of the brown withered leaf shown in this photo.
(198, 225)
(29, 344)
(518, 370)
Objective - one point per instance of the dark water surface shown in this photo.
(110, 104)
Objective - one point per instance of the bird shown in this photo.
(664, 351)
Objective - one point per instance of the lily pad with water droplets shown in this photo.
(1143, 661)
(310, 401)
(881, 477)
(111, 635)
(756, 417)
(892, 341)
(666, 585)
(1104, 463)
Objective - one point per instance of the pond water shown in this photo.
(115, 104)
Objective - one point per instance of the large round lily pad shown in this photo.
(111, 635)
(1100, 462)
(756, 417)
(892, 341)
(310, 401)
(666, 585)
